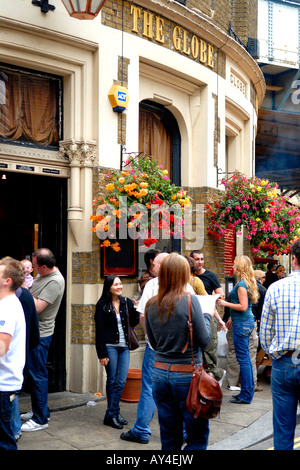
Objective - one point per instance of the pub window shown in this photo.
(183, 2)
(30, 107)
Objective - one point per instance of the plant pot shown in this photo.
(132, 389)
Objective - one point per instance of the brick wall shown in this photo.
(213, 250)
(244, 19)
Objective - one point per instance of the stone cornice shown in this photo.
(49, 34)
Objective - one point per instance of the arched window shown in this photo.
(159, 137)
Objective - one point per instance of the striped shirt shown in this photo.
(280, 320)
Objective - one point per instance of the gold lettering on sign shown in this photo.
(136, 13)
(183, 41)
(186, 50)
(176, 38)
(194, 47)
(203, 48)
(148, 25)
(210, 55)
(159, 30)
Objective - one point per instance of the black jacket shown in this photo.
(107, 326)
(32, 324)
(257, 308)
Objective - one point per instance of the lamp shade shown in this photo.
(83, 9)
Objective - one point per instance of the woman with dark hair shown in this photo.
(167, 329)
(112, 315)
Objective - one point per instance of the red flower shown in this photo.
(149, 241)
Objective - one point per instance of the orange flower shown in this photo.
(115, 246)
(110, 187)
(130, 187)
(143, 192)
(106, 243)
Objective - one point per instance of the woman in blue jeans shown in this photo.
(112, 315)
(242, 296)
(167, 328)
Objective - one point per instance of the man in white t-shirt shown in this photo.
(12, 347)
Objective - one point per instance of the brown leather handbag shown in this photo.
(133, 339)
(204, 399)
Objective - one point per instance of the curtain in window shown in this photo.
(28, 110)
(154, 139)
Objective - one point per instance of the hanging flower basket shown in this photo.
(140, 201)
(271, 221)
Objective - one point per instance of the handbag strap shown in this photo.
(190, 328)
(127, 311)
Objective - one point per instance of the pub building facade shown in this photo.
(192, 94)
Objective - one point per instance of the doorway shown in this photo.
(33, 214)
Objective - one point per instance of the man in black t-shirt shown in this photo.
(212, 285)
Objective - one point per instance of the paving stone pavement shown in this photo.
(77, 424)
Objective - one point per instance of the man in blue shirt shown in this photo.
(280, 338)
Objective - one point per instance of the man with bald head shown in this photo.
(47, 291)
(141, 431)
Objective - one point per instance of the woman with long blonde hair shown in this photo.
(167, 329)
(242, 296)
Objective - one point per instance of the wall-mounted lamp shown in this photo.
(3, 176)
(83, 9)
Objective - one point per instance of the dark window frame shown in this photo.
(36, 73)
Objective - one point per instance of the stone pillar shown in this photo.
(81, 154)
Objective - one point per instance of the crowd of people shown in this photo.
(166, 372)
(260, 311)
(28, 308)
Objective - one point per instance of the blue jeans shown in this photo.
(38, 380)
(170, 390)
(146, 406)
(7, 438)
(17, 423)
(116, 370)
(241, 331)
(285, 386)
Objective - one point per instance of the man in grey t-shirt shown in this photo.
(47, 291)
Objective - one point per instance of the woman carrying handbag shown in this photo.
(113, 313)
(167, 329)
